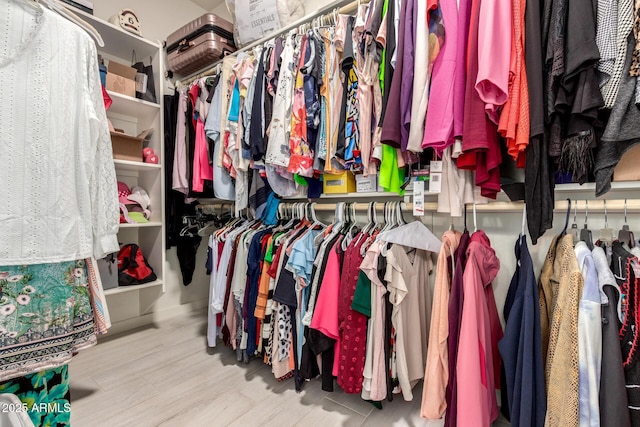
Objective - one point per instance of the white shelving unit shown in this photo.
(133, 116)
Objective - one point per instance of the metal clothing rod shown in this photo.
(330, 207)
(344, 6)
(616, 206)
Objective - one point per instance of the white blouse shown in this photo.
(57, 178)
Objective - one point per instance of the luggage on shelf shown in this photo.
(199, 43)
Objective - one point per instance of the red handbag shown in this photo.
(133, 268)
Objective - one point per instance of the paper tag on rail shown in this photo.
(418, 198)
(435, 183)
(435, 166)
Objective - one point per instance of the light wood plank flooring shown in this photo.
(166, 376)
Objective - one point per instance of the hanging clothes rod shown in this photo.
(612, 206)
(339, 6)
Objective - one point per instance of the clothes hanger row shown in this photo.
(606, 234)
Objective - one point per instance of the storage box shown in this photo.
(341, 183)
(121, 79)
(126, 147)
(627, 168)
(366, 184)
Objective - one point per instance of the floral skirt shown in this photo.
(45, 396)
(45, 316)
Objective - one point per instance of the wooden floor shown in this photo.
(166, 376)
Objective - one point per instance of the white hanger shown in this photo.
(413, 235)
(524, 220)
(399, 218)
(475, 219)
(32, 4)
(62, 10)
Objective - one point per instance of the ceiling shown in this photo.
(208, 4)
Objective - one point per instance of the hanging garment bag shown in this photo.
(199, 43)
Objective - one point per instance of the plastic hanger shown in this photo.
(585, 233)
(62, 10)
(524, 220)
(188, 228)
(566, 220)
(413, 235)
(353, 229)
(574, 227)
(466, 230)
(625, 235)
(399, 216)
(475, 219)
(32, 4)
(385, 216)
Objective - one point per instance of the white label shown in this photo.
(418, 198)
(366, 185)
(141, 82)
(435, 183)
(255, 19)
(435, 166)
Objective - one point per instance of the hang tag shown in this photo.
(435, 183)
(606, 235)
(141, 82)
(418, 198)
(435, 166)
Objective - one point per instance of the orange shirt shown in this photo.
(514, 123)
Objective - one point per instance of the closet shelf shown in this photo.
(619, 190)
(117, 41)
(128, 165)
(373, 195)
(125, 105)
(142, 225)
(124, 289)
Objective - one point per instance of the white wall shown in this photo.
(158, 18)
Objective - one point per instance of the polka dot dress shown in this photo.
(353, 325)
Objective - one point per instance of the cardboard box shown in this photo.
(627, 168)
(341, 183)
(366, 184)
(126, 147)
(121, 79)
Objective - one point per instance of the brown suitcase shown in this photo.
(199, 43)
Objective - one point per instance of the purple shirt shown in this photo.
(408, 53)
(393, 132)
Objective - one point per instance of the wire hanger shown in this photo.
(60, 9)
(625, 235)
(585, 233)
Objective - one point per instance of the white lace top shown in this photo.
(58, 190)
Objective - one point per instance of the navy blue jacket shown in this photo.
(521, 346)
